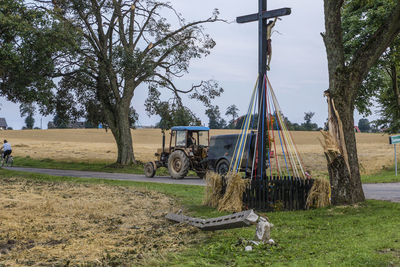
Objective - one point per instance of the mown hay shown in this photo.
(213, 192)
(320, 194)
(233, 197)
(57, 224)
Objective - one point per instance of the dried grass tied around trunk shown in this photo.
(320, 194)
(213, 192)
(233, 198)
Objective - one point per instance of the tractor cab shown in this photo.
(189, 136)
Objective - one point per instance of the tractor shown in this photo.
(188, 148)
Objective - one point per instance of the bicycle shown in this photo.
(7, 161)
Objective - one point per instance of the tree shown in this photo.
(388, 96)
(126, 44)
(114, 46)
(65, 110)
(364, 126)
(177, 116)
(29, 51)
(346, 76)
(232, 110)
(60, 123)
(215, 120)
(172, 112)
(382, 82)
(308, 125)
(133, 117)
(28, 110)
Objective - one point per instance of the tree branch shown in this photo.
(367, 55)
(333, 37)
(117, 7)
(150, 16)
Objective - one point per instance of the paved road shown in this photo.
(387, 191)
(113, 176)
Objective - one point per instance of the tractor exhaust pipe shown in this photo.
(163, 141)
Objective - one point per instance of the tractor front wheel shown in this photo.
(149, 170)
(178, 164)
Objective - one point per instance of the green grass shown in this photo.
(366, 235)
(384, 176)
(81, 166)
(86, 166)
(362, 235)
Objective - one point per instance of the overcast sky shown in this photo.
(298, 73)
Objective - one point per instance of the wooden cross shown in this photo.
(262, 16)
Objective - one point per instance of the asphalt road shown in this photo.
(386, 191)
(112, 176)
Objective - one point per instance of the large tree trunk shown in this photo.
(395, 83)
(119, 125)
(341, 154)
(116, 115)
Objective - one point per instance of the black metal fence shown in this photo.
(274, 193)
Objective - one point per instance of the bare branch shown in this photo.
(117, 7)
(143, 27)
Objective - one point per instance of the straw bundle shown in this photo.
(213, 192)
(233, 198)
(320, 194)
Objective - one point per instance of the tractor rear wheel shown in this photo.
(149, 170)
(178, 164)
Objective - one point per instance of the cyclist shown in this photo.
(6, 149)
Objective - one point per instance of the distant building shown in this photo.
(3, 124)
(77, 125)
(50, 125)
(71, 125)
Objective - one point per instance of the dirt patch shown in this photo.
(49, 224)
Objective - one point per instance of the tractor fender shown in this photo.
(183, 150)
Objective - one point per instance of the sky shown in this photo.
(299, 72)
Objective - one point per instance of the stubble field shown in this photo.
(62, 224)
(96, 145)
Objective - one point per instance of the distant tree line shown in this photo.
(236, 122)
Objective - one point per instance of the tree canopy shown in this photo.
(364, 125)
(214, 115)
(360, 21)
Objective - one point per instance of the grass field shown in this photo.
(112, 223)
(94, 145)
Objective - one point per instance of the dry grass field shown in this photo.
(94, 145)
(57, 224)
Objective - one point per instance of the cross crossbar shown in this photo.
(264, 15)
